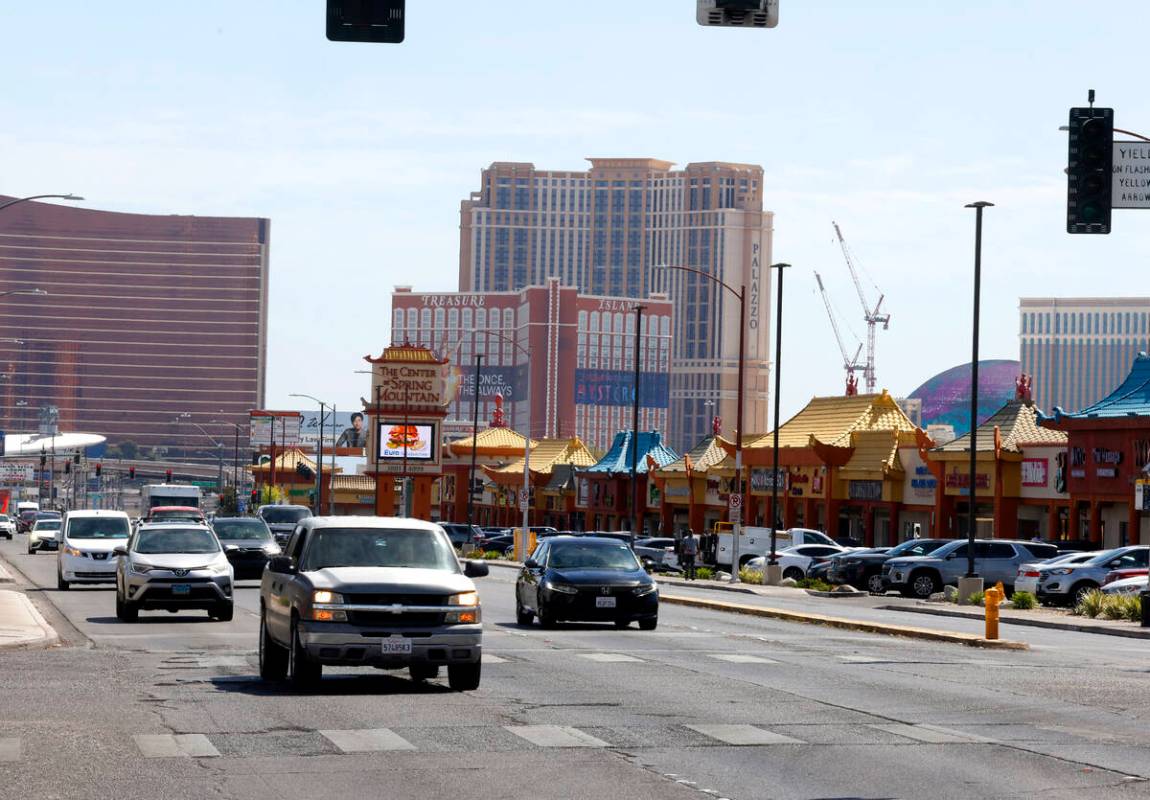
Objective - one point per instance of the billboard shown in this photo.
(287, 428)
(511, 382)
(348, 429)
(616, 387)
(413, 442)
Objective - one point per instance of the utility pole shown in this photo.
(636, 513)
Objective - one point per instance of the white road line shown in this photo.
(931, 734)
(370, 740)
(180, 745)
(555, 736)
(490, 659)
(743, 735)
(740, 658)
(609, 658)
(10, 750)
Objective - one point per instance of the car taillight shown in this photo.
(1029, 573)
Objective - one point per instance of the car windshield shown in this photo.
(1101, 558)
(279, 516)
(378, 547)
(98, 528)
(246, 529)
(47, 525)
(592, 555)
(915, 547)
(177, 540)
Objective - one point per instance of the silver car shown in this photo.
(994, 559)
(1028, 574)
(1065, 584)
(173, 566)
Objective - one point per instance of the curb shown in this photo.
(47, 634)
(1127, 633)
(970, 640)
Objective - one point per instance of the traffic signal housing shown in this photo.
(131, 473)
(365, 21)
(99, 469)
(1090, 170)
(168, 475)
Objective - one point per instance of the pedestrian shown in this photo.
(689, 549)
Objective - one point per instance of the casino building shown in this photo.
(563, 362)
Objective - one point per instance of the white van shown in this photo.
(87, 539)
(756, 542)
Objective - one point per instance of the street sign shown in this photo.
(1131, 185)
(1142, 495)
(734, 501)
(523, 500)
(15, 473)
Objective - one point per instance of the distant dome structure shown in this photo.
(946, 397)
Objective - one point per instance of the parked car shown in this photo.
(500, 544)
(795, 561)
(659, 551)
(173, 566)
(1028, 574)
(821, 570)
(283, 519)
(248, 544)
(88, 540)
(370, 591)
(589, 578)
(7, 526)
(1122, 574)
(45, 535)
(994, 559)
(461, 534)
(1133, 585)
(1065, 584)
(862, 569)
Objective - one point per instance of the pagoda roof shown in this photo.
(874, 453)
(1018, 425)
(546, 455)
(286, 462)
(497, 441)
(353, 483)
(1130, 399)
(406, 352)
(832, 420)
(618, 458)
(709, 454)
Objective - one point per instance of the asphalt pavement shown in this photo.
(709, 705)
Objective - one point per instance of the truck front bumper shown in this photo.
(337, 643)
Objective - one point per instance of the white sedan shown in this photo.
(7, 526)
(1028, 574)
(796, 560)
(1133, 585)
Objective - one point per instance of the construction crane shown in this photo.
(872, 315)
(849, 364)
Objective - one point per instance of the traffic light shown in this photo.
(365, 20)
(255, 496)
(75, 458)
(1090, 170)
(43, 461)
(131, 473)
(168, 475)
(67, 467)
(99, 467)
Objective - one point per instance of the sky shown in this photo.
(887, 117)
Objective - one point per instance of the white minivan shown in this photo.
(87, 539)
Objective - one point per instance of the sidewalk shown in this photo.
(21, 624)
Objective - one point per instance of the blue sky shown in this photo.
(887, 117)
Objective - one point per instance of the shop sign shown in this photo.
(797, 481)
(761, 480)
(1104, 456)
(678, 489)
(923, 480)
(1106, 472)
(864, 490)
(1035, 471)
(1142, 495)
(961, 480)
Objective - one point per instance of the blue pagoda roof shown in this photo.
(1131, 399)
(618, 458)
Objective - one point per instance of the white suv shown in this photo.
(87, 539)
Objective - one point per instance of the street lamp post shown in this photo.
(636, 514)
(187, 417)
(972, 521)
(771, 576)
(740, 488)
(39, 197)
(319, 453)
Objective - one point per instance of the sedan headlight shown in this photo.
(220, 569)
(1059, 571)
(139, 568)
(644, 590)
(561, 588)
(68, 550)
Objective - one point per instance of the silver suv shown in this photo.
(994, 560)
(1064, 584)
(173, 566)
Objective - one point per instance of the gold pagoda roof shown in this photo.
(832, 420)
(708, 454)
(546, 455)
(1017, 424)
(286, 462)
(492, 441)
(874, 453)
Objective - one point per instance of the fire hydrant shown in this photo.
(991, 598)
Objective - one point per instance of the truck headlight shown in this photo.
(324, 597)
(464, 599)
(321, 600)
(72, 551)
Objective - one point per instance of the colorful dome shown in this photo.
(946, 397)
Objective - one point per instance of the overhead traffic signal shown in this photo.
(99, 468)
(1090, 170)
(168, 475)
(67, 467)
(131, 473)
(365, 20)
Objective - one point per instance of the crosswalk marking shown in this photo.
(179, 745)
(930, 734)
(609, 658)
(743, 735)
(372, 740)
(555, 736)
(10, 750)
(742, 658)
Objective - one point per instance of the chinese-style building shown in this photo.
(691, 493)
(494, 446)
(1108, 450)
(604, 488)
(289, 472)
(552, 481)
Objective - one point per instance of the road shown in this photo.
(709, 705)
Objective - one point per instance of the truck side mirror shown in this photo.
(281, 565)
(475, 569)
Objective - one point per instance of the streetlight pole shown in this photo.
(776, 518)
(319, 453)
(39, 197)
(636, 514)
(187, 417)
(972, 520)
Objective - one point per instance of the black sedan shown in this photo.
(863, 569)
(585, 578)
(248, 542)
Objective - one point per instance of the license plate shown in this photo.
(396, 647)
(181, 588)
(604, 602)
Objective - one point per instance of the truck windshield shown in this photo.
(378, 547)
(98, 528)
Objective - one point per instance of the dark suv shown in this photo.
(863, 570)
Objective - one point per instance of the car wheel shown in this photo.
(31, 549)
(874, 583)
(546, 618)
(61, 584)
(464, 677)
(303, 672)
(923, 585)
(423, 672)
(522, 615)
(794, 573)
(223, 612)
(1079, 591)
(125, 611)
(273, 658)
(648, 624)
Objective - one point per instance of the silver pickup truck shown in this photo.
(370, 591)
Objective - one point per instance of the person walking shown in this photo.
(689, 549)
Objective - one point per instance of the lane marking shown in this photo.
(369, 740)
(555, 736)
(741, 658)
(743, 735)
(490, 659)
(610, 658)
(931, 734)
(10, 749)
(179, 745)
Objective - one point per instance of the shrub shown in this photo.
(751, 576)
(817, 584)
(1131, 605)
(491, 555)
(1112, 608)
(1091, 604)
(704, 573)
(1024, 601)
(976, 599)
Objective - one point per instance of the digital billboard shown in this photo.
(616, 387)
(414, 442)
